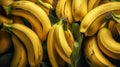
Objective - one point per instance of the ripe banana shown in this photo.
(51, 47)
(5, 41)
(69, 37)
(93, 54)
(38, 12)
(4, 19)
(34, 22)
(61, 40)
(19, 58)
(96, 25)
(63, 10)
(30, 40)
(48, 1)
(92, 4)
(79, 9)
(6, 2)
(109, 46)
(96, 12)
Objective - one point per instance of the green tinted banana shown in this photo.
(38, 12)
(34, 44)
(79, 9)
(96, 12)
(109, 46)
(19, 58)
(51, 47)
(93, 54)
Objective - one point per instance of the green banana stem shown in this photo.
(46, 5)
(6, 27)
(7, 9)
(116, 17)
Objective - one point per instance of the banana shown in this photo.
(17, 19)
(61, 40)
(48, 1)
(6, 2)
(109, 46)
(19, 58)
(79, 9)
(39, 14)
(61, 53)
(34, 22)
(59, 10)
(92, 4)
(93, 54)
(118, 27)
(5, 41)
(69, 37)
(68, 11)
(96, 12)
(96, 25)
(4, 19)
(31, 41)
(51, 47)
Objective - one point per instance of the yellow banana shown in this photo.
(19, 58)
(5, 41)
(69, 37)
(6, 2)
(68, 11)
(92, 4)
(4, 19)
(61, 40)
(51, 47)
(17, 19)
(48, 1)
(109, 46)
(59, 10)
(79, 9)
(61, 52)
(96, 25)
(34, 22)
(93, 54)
(96, 12)
(32, 42)
(38, 12)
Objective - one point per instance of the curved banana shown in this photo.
(92, 4)
(38, 12)
(59, 10)
(96, 12)
(69, 37)
(4, 19)
(5, 41)
(109, 46)
(34, 22)
(61, 40)
(48, 1)
(79, 9)
(32, 42)
(51, 47)
(19, 58)
(96, 25)
(93, 54)
(6, 2)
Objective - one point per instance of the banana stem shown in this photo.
(7, 9)
(6, 27)
(46, 5)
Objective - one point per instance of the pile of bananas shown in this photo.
(25, 25)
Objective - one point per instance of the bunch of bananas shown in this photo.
(25, 25)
